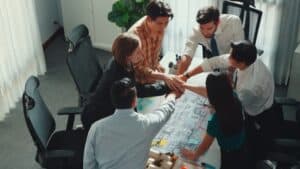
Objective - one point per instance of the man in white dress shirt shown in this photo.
(211, 26)
(254, 86)
(123, 139)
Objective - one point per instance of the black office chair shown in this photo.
(284, 150)
(83, 63)
(290, 128)
(249, 15)
(55, 149)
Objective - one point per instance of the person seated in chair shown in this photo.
(126, 52)
(150, 29)
(214, 32)
(123, 140)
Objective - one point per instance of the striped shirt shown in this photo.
(151, 45)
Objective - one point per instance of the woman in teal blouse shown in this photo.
(226, 123)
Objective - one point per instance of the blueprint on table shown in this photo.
(185, 126)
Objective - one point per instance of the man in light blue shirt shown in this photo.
(123, 139)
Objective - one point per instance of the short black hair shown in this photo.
(243, 51)
(123, 93)
(207, 15)
(157, 8)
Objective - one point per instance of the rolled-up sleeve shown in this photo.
(192, 42)
(220, 62)
(157, 119)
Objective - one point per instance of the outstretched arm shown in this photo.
(208, 65)
(202, 148)
(197, 89)
(171, 80)
(191, 73)
(183, 64)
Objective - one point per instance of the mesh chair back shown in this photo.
(82, 61)
(38, 118)
(250, 17)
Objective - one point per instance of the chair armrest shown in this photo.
(293, 143)
(286, 101)
(290, 145)
(60, 154)
(282, 158)
(70, 110)
(260, 52)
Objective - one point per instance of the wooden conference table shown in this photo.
(186, 126)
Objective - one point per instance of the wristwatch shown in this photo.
(187, 75)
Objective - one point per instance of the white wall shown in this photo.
(92, 13)
(75, 12)
(60, 19)
(105, 31)
(299, 33)
(47, 12)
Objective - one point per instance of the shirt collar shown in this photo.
(248, 69)
(124, 111)
(219, 30)
(148, 31)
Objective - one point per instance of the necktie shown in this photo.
(234, 79)
(214, 47)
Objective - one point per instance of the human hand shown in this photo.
(161, 68)
(189, 154)
(182, 77)
(174, 83)
(176, 93)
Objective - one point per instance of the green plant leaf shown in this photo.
(139, 1)
(119, 6)
(126, 12)
(122, 21)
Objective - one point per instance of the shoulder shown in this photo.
(138, 26)
(262, 70)
(229, 18)
(196, 28)
(95, 128)
(114, 70)
(100, 123)
(260, 66)
(195, 34)
(111, 63)
(98, 130)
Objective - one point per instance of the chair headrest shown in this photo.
(31, 84)
(76, 35)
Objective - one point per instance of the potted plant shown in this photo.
(125, 13)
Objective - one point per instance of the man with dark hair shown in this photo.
(254, 81)
(214, 32)
(254, 86)
(123, 94)
(123, 139)
(150, 29)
